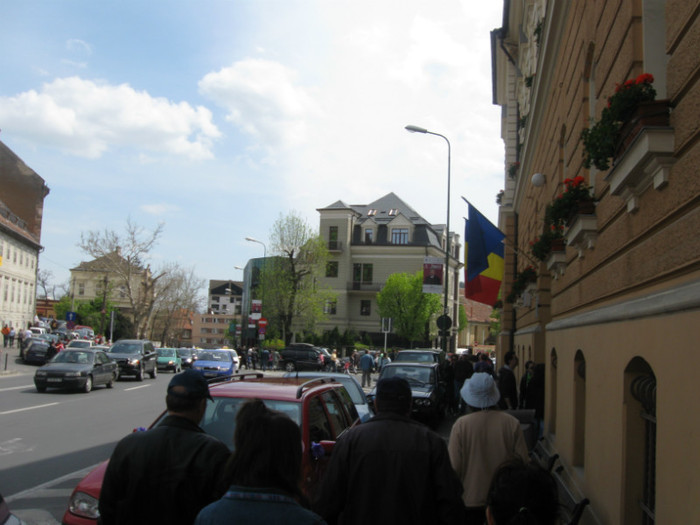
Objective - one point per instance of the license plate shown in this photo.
(54, 380)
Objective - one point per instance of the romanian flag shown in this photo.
(483, 253)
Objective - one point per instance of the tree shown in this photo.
(122, 258)
(176, 294)
(43, 278)
(289, 282)
(403, 300)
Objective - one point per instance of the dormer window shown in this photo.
(371, 213)
(393, 212)
(399, 236)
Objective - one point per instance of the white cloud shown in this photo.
(78, 46)
(263, 99)
(87, 118)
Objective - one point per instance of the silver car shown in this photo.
(351, 384)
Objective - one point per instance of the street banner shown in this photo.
(432, 275)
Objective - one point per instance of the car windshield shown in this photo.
(166, 352)
(220, 417)
(184, 352)
(215, 356)
(70, 356)
(412, 374)
(79, 344)
(126, 348)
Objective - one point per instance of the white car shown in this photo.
(234, 356)
(80, 343)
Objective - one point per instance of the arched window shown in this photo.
(579, 408)
(640, 443)
(551, 381)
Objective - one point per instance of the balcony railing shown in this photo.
(335, 246)
(365, 286)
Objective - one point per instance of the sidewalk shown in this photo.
(8, 356)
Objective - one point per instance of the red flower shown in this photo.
(644, 78)
(629, 83)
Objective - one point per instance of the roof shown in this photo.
(477, 312)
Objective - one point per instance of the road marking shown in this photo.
(15, 388)
(28, 408)
(78, 474)
(13, 445)
(135, 388)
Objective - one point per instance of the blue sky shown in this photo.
(214, 117)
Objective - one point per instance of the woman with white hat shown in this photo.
(481, 441)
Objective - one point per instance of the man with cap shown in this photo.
(169, 473)
(481, 441)
(390, 469)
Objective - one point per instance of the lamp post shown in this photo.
(447, 322)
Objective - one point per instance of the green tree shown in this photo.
(462, 318)
(292, 300)
(403, 300)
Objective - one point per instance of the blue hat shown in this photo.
(194, 384)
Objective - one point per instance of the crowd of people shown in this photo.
(390, 469)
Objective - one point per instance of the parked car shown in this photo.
(215, 364)
(77, 369)
(420, 355)
(80, 343)
(168, 360)
(135, 357)
(301, 356)
(35, 352)
(351, 384)
(427, 388)
(322, 408)
(187, 356)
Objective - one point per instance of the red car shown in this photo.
(321, 407)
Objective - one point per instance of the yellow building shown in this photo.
(612, 315)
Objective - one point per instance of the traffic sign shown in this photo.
(262, 326)
(444, 322)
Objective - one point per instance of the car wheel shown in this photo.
(110, 383)
(154, 374)
(88, 384)
(289, 366)
(178, 370)
(139, 374)
(41, 389)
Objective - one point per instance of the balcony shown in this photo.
(335, 246)
(359, 286)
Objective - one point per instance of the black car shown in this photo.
(36, 352)
(420, 355)
(427, 388)
(135, 357)
(77, 369)
(188, 356)
(301, 356)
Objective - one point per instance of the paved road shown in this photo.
(48, 442)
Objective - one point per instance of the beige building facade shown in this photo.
(614, 316)
(367, 244)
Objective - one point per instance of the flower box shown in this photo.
(556, 263)
(647, 114)
(646, 162)
(582, 233)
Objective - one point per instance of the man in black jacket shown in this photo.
(390, 469)
(169, 473)
(507, 384)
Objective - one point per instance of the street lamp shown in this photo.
(416, 129)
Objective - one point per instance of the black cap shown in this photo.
(194, 384)
(394, 394)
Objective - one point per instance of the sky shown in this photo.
(217, 117)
